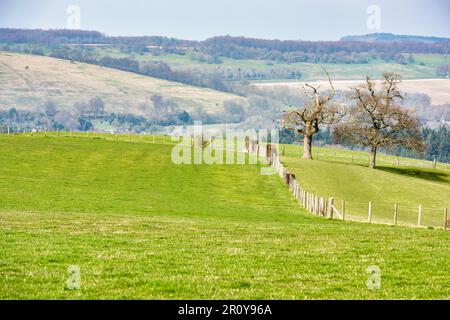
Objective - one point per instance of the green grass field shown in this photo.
(344, 175)
(140, 227)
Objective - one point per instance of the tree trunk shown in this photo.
(373, 157)
(307, 142)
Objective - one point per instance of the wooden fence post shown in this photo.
(330, 208)
(445, 218)
(306, 200)
(370, 212)
(303, 198)
(419, 216)
(395, 214)
(316, 203)
(282, 151)
(343, 209)
(309, 202)
(319, 206)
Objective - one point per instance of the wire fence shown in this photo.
(403, 214)
(393, 213)
(362, 158)
(159, 138)
(381, 213)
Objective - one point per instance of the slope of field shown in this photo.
(27, 81)
(436, 89)
(424, 65)
(344, 175)
(139, 226)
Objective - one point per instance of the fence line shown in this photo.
(319, 205)
(348, 156)
(326, 206)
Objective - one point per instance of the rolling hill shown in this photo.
(436, 89)
(344, 175)
(390, 37)
(27, 82)
(139, 226)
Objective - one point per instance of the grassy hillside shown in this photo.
(141, 227)
(345, 175)
(436, 89)
(27, 81)
(423, 66)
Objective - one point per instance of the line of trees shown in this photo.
(437, 146)
(373, 119)
(237, 47)
(157, 111)
(317, 51)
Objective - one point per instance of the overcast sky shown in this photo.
(200, 19)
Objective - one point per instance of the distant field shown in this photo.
(140, 227)
(424, 65)
(27, 81)
(437, 89)
(345, 175)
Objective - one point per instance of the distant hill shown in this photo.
(27, 82)
(390, 37)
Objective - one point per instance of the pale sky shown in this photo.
(200, 19)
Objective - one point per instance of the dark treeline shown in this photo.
(437, 143)
(56, 37)
(317, 51)
(328, 46)
(239, 47)
(85, 115)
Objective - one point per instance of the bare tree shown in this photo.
(97, 106)
(319, 108)
(376, 120)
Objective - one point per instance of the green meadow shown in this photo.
(344, 175)
(423, 65)
(139, 226)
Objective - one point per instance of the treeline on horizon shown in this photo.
(240, 47)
